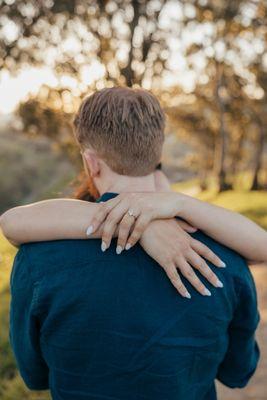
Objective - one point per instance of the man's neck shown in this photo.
(122, 184)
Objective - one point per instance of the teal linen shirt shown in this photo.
(90, 325)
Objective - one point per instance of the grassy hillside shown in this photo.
(30, 170)
(253, 204)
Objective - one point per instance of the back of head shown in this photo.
(125, 127)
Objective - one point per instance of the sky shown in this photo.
(13, 89)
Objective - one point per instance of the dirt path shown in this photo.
(257, 388)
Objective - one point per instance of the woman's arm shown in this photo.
(227, 227)
(164, 241)
(48, 220)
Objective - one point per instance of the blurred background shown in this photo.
(206, 60)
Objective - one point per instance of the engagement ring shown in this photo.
(131, 213)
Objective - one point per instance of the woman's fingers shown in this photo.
(103, 210)
(124, 231)
(197, 262)
(186, 226)
(140, 225)
(190, 275)
(205, 252)
(175, 279)
(111, 223)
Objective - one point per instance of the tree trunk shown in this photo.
(220, 146)
(128, 71)
(259, 153)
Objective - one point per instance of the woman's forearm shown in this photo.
(48, 220)
(227, 227)
(69, 219)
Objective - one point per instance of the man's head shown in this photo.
(122, 127)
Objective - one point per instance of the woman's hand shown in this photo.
(171, 247)
(131, 214)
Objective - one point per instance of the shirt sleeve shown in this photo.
(24, 325)
(241, 359)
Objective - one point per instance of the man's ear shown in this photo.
(92, 162)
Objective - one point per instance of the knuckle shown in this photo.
(172, 274)
(168, 260)
(111, 219)
(122, 232)
(174, 280)
(210, 275)
(123, 225)
(107, 231)
(133, 242)
(189, 273)
(198, 284)
(136, 234)
(179, 284)
(185, 247)
(134, 238)
(178, 254)
(197, 243)
(98, 217)
(202, 265)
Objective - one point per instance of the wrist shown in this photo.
(180, 204)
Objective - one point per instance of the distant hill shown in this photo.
(30, 170)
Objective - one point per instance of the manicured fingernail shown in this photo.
(128, 246)
(119, 249)
(89, 230)
(187, 295)
(207, 292)
(219, 283)
(103, 246)
(222, 264)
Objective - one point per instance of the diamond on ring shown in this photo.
(131, 213)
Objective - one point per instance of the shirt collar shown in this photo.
(106, 196)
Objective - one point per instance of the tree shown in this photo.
(221, 46)
(233, 27)
(123, 38)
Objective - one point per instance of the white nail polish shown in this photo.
(219, 283)
(222, 264)
(187, 295)
(118, 249)
(128, 246)
(89, 230)
(207, 292)
(103, 246)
